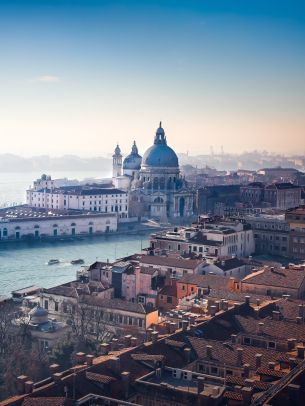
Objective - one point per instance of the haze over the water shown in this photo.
(77, 76)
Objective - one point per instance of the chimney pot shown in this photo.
(234, 338)
(209, 350)
(127, 340)
(271, 365)
(89, 359)
(80, 357)
(291, 342)
(258, 360)
(185, 324)
(200, 384)
(104, 348)
(247, 300)
(187, 354)
(300, 349)
(240, 356)
(154, 336)
(275, 315)
(28, 386)
(21, 379)
(134, 341)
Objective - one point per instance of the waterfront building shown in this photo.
(92, 198)
(24, 222)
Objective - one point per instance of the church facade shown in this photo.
(155, 185)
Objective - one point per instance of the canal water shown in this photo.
(24, 264)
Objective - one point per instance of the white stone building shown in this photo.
(23, 222)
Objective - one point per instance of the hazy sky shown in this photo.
(78, 76)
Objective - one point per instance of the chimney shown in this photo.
(271, 365)
(172, 327)
(217, 305)
(200, 384)
(187, 354)
(185, 324)
(154, 336)
(104, 348)
(291, 342)
(299, 320)
(258, 360)
(275, 315)
(300, 349)
(134, 341)
(167, 326)
(247, 300)
(209, 350)
(292, 362)
(148, 334)
(57, 376)
(239, 356)
(258, 302)
(234, 338)
(125, 376)
(54, 368)
(80, 357)
(246, 370)
(115, 364)
(246, 393)
(301, 310)
(89, 359)
(28, 386)
(261, 327)
(114, 344)
(127, 340)
(225, 305)
(212, 310)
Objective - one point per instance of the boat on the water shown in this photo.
(53, 261)
(77, 261)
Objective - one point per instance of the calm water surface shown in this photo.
(24, 264)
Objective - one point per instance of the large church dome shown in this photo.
(133, 160)
(160, 154)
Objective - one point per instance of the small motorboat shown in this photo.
(77, 261)
(53, 261)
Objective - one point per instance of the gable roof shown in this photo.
(170, 261)
(278, 277)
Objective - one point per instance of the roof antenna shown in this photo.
(160, 124)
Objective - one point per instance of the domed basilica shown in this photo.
(154, 182)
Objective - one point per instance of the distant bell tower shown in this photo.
(117, 162)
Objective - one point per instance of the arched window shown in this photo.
(4, 232)
(36, 226)
(55, 225)
(159, 200)
(17, 228)
(73, 225)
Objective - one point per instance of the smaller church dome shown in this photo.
(133, 160)
(38, 315)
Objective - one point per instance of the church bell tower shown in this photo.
(117, 162)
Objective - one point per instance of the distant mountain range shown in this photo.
(251, 160)
(14, 163)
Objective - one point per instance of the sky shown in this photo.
(78, 76)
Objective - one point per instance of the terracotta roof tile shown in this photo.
(279, 277)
